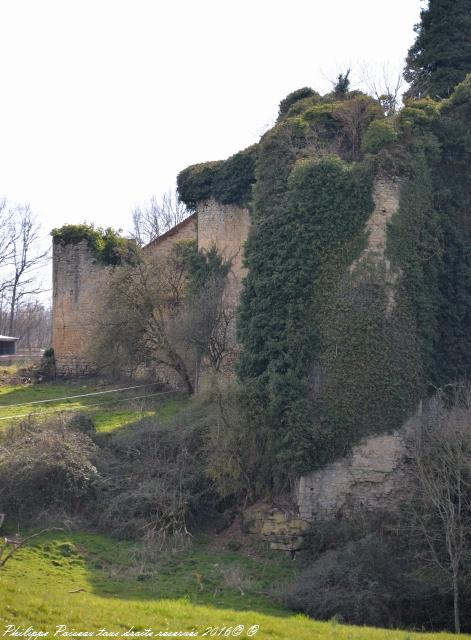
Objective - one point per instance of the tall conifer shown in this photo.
(440, 58)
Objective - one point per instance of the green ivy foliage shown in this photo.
(452, 182)
(415, 247)
(108, 245)
(331, 353)
(200, 266)
(228, 181)
(325, 203)
(370, 362)
(430, 237)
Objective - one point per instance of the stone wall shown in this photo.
(371, 477)
(226, 227)
(78, 280)
(184, 231)
(386, 197)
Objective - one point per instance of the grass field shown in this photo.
(88, 582)
(110, 410)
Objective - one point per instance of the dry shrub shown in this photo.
(360, 583)
(238, 456)
(235, 578)
(154, 483)
(46, 468)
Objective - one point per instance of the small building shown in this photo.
(8, 345)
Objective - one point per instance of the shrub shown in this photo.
(47, 366)
(46, 467)
(156, 484)
(360, 583)
(107, 245)
(237, 456)
(293, 97)
(83, 422)
(380, 134)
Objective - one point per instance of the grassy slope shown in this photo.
(108, 413)
(35, 590)
(182, 592)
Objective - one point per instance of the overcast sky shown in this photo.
(105, 101)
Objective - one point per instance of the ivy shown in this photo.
(325, 203)
(108, 246)
(335, 345)
(415, 247)
(228, 181)
(452, 182)
(370, 363)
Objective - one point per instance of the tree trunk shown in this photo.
(12, 310)
(456, 602)
(187, 381)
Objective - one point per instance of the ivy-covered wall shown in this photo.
(338, 342)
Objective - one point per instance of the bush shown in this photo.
(237, 456)
(380, 134)
(293, 97)
(46, 468)
(47, 366)
(83, 422)
(108, 245)
(155, 485)
(360, 583)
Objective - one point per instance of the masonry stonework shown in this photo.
(78, 282)
(185, 231)
(371, 477)
(226, 227)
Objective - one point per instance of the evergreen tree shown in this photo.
(440, 58)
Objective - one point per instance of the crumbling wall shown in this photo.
(78, 281)
(371, 477)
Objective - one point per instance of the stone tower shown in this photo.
(77, 281)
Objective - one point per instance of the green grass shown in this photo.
(108, 409)
(181, 592)
(89, 581)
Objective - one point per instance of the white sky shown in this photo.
(105, 101)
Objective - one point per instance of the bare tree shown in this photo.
(6, 240)
(355, 114)
(385, 86)
(33, 325)
(21, 260)
(158, 314)
(208, 323)
(157, 217)
(139, 320)
(440, 446)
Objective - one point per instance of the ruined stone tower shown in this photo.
(79, 278)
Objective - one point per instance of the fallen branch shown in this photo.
(11, 545)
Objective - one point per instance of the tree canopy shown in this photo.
(440, 57)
